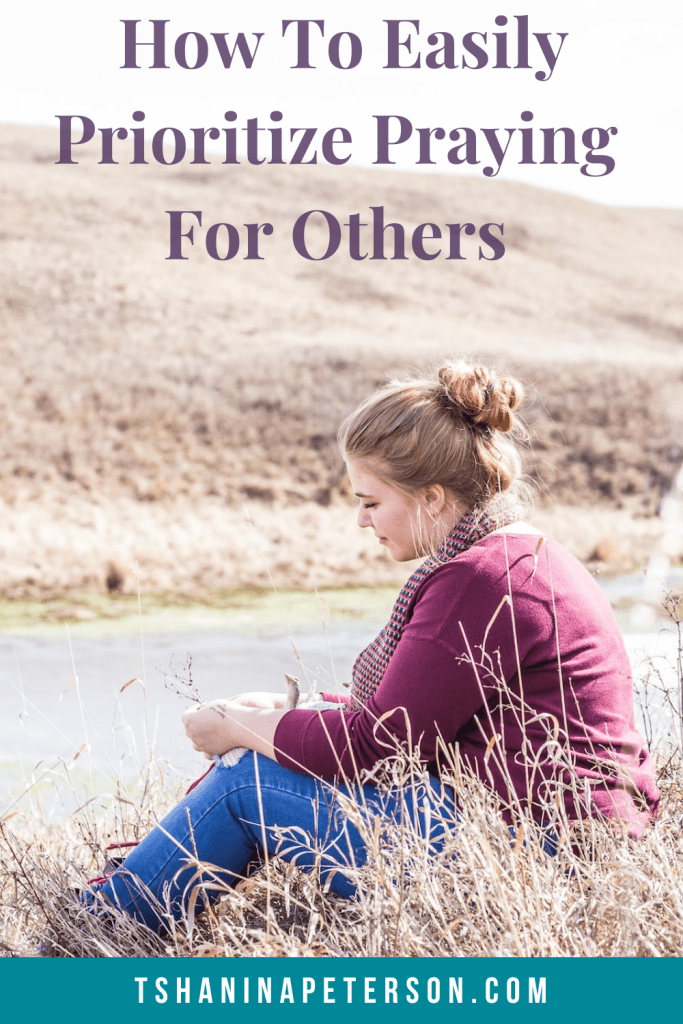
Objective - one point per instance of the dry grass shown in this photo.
(59, 548)
(482, 895)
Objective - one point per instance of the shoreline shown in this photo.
(266, 612)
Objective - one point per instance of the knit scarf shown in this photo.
(372, 663)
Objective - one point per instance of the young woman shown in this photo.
(501, 651)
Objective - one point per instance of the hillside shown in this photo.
(145, 400)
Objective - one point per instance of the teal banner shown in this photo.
(301, 990)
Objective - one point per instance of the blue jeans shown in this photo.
(235, 812)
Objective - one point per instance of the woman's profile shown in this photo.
(501, 650)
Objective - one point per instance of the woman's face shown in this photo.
(407, 525)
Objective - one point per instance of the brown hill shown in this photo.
(144, 400)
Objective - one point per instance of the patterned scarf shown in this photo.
(372, 663)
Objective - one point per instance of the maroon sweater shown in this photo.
(471, 664)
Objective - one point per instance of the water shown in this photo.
(67, 703)
(45, 713)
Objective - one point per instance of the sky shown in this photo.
(618, 67)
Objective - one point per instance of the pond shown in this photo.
(95, 697)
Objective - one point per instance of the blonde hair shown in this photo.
(458, 428)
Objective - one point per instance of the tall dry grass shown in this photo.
(483, 894)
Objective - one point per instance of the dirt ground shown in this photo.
(145, 402)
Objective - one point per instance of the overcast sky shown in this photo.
(619, 66)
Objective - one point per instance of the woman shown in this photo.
(501, 651)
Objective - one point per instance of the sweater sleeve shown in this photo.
(429, 690)
(419, 699)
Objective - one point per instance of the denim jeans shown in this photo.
(236, 812)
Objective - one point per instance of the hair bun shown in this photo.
(485, 400)
(437, 427)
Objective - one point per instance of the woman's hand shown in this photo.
(211, 727)
(221, 725)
